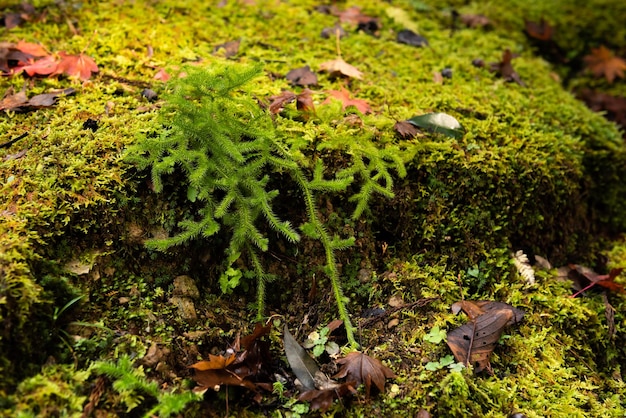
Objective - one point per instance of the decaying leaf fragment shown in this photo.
(522, 264)
(474, 342)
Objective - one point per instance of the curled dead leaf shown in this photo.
(338, 67)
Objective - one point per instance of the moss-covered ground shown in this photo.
(535, 170)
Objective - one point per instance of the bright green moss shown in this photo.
(535, 169)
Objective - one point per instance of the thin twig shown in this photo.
(14, 140)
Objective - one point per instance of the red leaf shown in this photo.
(80, 66)
(587, 278)
(364, 369)
(36, 50)
(344, 97)
(44, 66)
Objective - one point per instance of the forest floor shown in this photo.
(457, 148)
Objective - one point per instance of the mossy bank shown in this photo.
(534, 170)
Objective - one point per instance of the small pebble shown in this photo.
(150, 95)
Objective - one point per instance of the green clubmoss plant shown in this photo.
(229, 149)
(132, 385)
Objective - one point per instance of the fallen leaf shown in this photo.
(541, 30)
(586, 278)
(602, 62)
(19, 102)
(10, 53)
(277, 103)
(302, 365)
(614, 107)
(323, 399)
(12, 101)
(344, 97)
(44, 66)
(162, 75)
(228, 49)
(475, 21)
(302, 76)
(340, 67)
(35, 50)
(80, 66)
(409, 37)
(475, 341)
(238, 368)
(438, 123)
(304, 101)
(405, 129)
(505, 69)
(364, 369)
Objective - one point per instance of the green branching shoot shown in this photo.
(229, 149)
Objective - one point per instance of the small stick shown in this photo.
(13, 141)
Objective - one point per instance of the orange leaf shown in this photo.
(214, 362)
(344, 97)
(36, 50)
(602, 62)
(80, 66)
(340, 67)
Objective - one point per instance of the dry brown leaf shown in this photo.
(227, 49)
(344, 97)
(474, 342)
(304, 101)
(302, 76)
(12, 101)
(364, 369)
(602, 62)
(278, 102)
(541, 30)
(323, 399)
(340, 67)
(405, 129)
(505, 69)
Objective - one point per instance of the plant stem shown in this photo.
(260, 274)
(331, 264)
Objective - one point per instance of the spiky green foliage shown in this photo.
(132, 385)
(229, 150)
